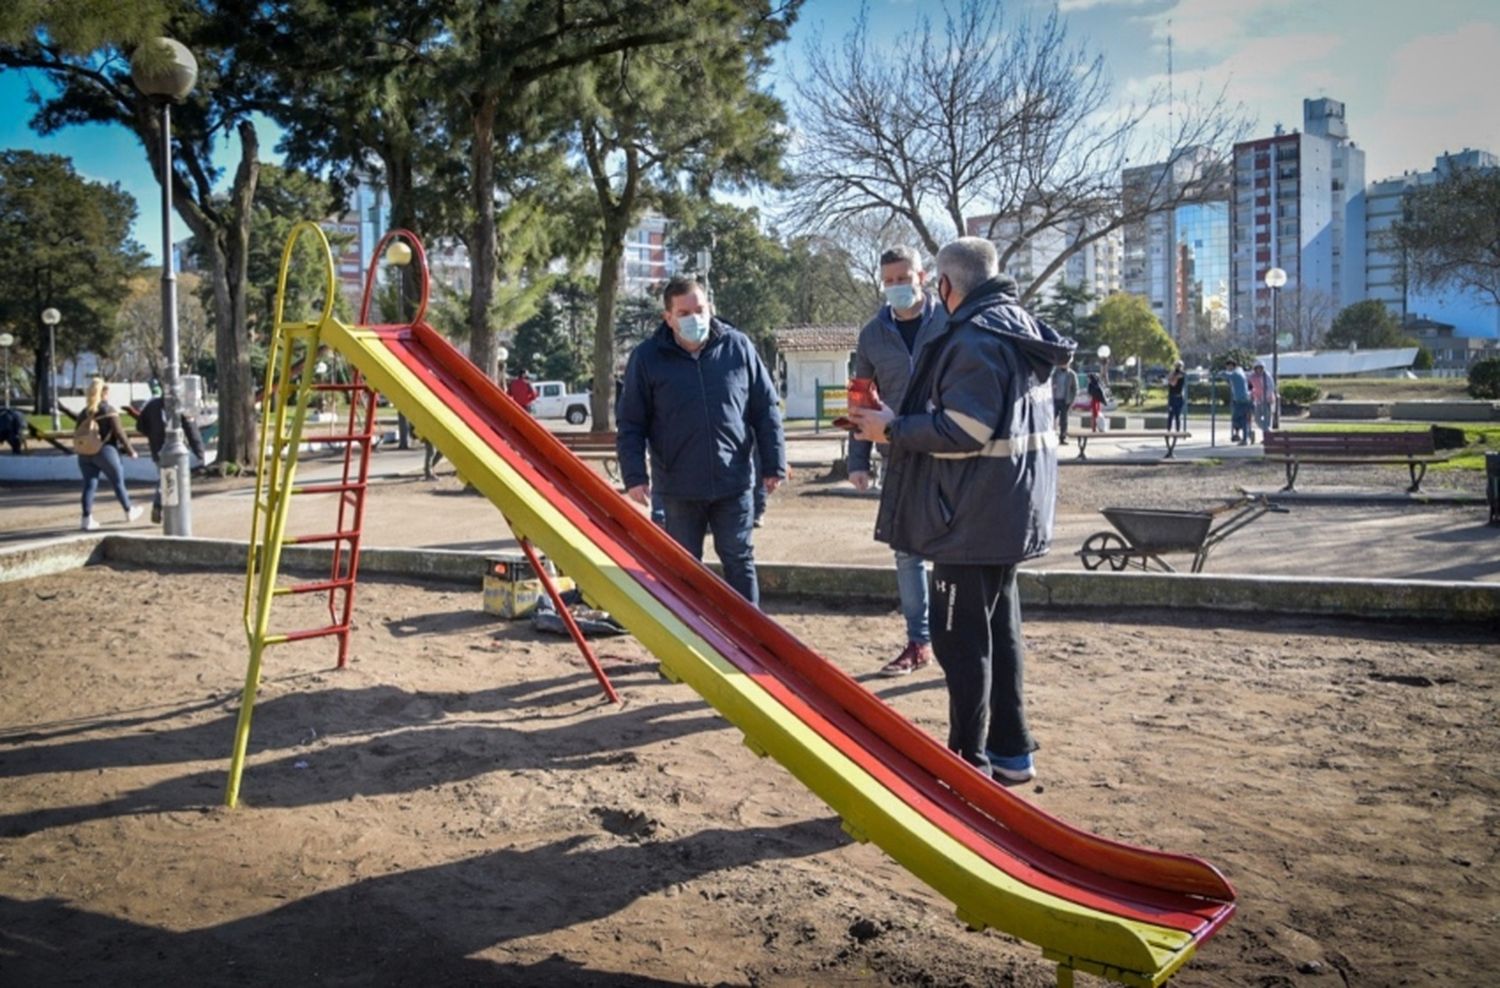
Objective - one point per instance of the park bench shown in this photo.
(1082, 437)
(1414, 449)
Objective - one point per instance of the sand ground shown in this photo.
(460, 807)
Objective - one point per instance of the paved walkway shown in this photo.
(1344, 539)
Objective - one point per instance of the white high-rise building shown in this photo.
(648, 262)
(1385, 274)
(1096, 266)
(1298, 205)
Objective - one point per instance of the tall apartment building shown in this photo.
(1298, 205)
(1097, 266)
(1385, 274)
(648, 262)
(1177, 258)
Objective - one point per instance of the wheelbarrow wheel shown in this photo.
(1102, 547)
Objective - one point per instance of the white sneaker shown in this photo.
(133, 514)
(89, 524)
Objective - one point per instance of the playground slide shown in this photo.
(1126, 913)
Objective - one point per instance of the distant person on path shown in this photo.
(699, 396)
(520, 388)
(1176, 398)
(13, 429)
(1098, 398)
(153, 422)
(1064, 393)
(1240, 432)
(112, 441)
(972, 486)
(887, 351)
(1262, 397)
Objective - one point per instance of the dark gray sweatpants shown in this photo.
(976, 637)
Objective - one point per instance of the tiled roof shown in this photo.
(800, 339)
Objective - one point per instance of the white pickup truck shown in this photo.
(554, 402)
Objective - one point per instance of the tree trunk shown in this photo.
(601, 401)
(482, 349)
(232, 339)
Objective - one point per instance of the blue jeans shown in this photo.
(730, 520)
(1239, 419)
(107, 462)
(911, 584)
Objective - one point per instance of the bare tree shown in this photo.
(1003, 130)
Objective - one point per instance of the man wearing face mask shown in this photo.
(972, 486)
(887, 351)
(700, 397)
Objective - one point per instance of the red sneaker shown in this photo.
(914, 656)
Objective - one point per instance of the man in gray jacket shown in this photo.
(972, 486)
(887, 351)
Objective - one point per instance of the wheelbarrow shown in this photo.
(1150, 533)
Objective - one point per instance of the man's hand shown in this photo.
(640, 494)
(771, 484)
(870, 423)
(860, 479)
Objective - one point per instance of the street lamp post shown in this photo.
(1275, 278)
(502, 354)
(398, 255)
(52, 317)
(5, 343)
(165, 72)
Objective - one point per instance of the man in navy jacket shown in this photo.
(972, 486)
(700, 397)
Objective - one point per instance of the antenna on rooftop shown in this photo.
(1171, 107)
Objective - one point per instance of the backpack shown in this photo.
(86, 438)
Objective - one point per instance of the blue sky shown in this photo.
(1417, 79)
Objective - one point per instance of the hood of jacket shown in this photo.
(995, 306)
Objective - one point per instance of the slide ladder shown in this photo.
(295, 368)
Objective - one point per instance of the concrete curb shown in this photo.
(1405, 600)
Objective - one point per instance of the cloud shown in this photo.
(1256, 73)
(1440, 95)
(1070, 6)
(1215, 25)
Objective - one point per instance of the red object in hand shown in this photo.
(862, 393)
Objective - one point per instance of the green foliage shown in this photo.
(1484, 378)
(65, 244)
(1238, 354)
(1450, 233)
(1064, 313)
(1423, 360)
(1127, 325)
(1368, 324)
(822, 289)
(749, 270)
(1200, 393)
(542, 347)
(1302, 393)
(80, 26)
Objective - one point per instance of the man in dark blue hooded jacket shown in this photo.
(700, 397)
(971, 486)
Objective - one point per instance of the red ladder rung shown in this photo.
(322, 537)
(327, 488)
(297, 636)
(315, 587)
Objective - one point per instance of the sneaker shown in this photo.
(758, 522)
(156, 514)
(134, 514)
(1012, 769)
(1062, 442)
(89, 524)
(916, 655)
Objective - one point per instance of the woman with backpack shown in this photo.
(99, 440)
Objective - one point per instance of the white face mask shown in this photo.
(901, 297)
(693, 327)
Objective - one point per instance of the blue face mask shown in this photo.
(901, 297)
(693, 327)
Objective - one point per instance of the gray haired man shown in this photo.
(887, 351)
(972, 486)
